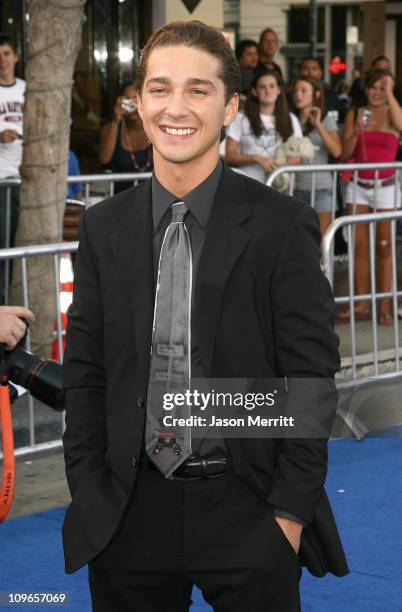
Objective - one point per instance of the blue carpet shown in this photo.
(365, 487)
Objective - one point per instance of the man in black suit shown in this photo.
(238, 516)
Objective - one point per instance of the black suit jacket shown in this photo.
(262, 309)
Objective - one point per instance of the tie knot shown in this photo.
(179, 211)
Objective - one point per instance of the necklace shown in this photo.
(148, 163)
(146, 166)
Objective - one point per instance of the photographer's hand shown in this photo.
(12, 329)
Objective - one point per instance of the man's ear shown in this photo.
(231, 109)
(139, 105)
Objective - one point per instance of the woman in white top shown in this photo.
(253, 136)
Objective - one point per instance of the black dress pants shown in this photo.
(215, 533)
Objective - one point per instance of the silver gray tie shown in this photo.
(170, 368)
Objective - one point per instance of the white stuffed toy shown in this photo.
(292, 147)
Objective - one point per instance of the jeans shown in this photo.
(323, 198)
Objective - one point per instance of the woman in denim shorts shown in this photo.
(308, 100)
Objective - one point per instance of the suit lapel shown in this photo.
(132, 247)
(226, 239)
(224, 243)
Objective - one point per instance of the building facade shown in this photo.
(115, 31)
(355, 32)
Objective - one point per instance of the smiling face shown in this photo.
(182, 106)
(267, 90)
(8, 60)
(376, 93)
(303, 94)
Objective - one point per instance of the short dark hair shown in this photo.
(242, 45)
(380, 58)
(267, 31)
(5, 39)
(201, 36)
(311, 58)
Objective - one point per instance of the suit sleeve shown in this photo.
(306, 347)
(84, 439)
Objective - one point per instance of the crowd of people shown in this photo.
(317, 111)
(358, 124)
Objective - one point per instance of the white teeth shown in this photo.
(179, 131)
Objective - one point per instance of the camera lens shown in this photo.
(43, 378)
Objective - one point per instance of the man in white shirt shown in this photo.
(12, 92)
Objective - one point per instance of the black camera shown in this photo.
(43, 378)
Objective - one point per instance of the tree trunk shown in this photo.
(54, 39)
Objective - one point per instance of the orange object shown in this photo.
(7, 441)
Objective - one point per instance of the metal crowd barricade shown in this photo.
(350, 222)
(106, 182)
(347, 224)
(334, 170)
(22, 254)
(367, 363)
(355, 388)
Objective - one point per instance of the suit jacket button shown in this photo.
(140, 401)
(133, 461)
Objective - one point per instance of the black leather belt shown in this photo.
(198, 468)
